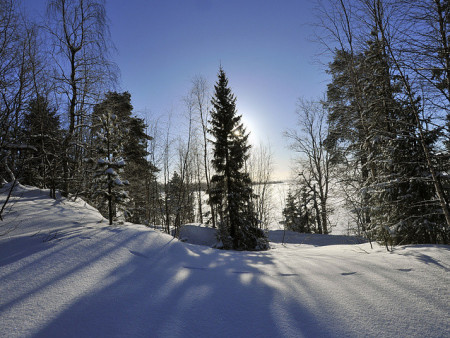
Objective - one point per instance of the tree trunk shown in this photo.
(318, 213)
(110, 208)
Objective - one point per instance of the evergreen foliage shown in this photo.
(231, 189)
(401, 192)
(292, 214)
(375, 131)
(298, 214)
(138, 171)
(390, 149)
(180, 201)
(42, 131)
(108, 186)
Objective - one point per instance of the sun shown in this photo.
(237, 132)
(250, 126)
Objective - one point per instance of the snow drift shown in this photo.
(65, 273)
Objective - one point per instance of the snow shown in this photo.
(202, 235)
(198, 234)
(117, 181)
(65, 273)
(110, 171)
(279, 236)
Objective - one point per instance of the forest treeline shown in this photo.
(380, 136)
(378, 139)
(64, 127)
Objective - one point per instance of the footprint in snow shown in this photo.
(348, 273)
(405, 270)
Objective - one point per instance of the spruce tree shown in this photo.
(138, 171)
(374, 127)
(349, 125)
(402, 206)
(292, 214)
(180, 201)
(231, 189)
(108, 186)
(42, 132)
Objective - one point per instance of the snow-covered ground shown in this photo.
(65, 273)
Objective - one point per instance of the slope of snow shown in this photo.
(198, 234)
(65, 273)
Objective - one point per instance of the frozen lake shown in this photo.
(276, 194)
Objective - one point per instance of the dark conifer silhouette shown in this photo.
(231, 187)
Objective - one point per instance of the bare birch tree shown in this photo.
(260, 167)
(200, 97)
(80, 47)
(17, 50)
(314, 159)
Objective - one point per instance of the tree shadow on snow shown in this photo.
(184, 290)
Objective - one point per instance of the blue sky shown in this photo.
(263, 46)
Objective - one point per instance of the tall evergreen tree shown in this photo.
(231, 187)
(348, 129)
(109, 162)
(375, 129)
(138, 171)
(402, 193)
(42, 132)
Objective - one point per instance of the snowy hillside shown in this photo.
(65, 273)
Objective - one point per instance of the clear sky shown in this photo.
(263, 46)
